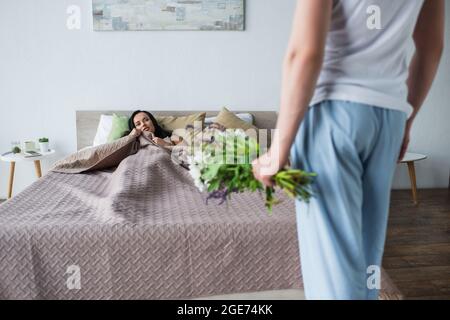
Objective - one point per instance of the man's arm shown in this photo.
(301, 69)
(429, 41)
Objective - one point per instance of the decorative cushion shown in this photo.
(230, 121)
(170, 123)
(119, 127)
(247, 117)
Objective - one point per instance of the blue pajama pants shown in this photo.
(353, 148)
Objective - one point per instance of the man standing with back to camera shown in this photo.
(349, 98)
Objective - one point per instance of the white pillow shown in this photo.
(247, 117)
(103, 130)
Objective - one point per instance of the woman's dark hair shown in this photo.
(159, 132)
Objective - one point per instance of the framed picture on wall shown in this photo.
(141, 15)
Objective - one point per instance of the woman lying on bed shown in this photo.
(144, 121)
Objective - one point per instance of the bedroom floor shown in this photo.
(417, 253)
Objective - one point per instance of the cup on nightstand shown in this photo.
(28, 146)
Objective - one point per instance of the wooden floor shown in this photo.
(417, 252)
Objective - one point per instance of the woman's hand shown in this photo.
(135, 132)
(175, 139)
(160, 142)
(268, 165)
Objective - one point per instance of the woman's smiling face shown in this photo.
(143, 122)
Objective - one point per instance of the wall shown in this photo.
(47, 72)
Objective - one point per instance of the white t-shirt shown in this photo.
(366, 54)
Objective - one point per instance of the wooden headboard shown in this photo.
(87, 121)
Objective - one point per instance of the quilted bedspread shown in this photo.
(141, 230)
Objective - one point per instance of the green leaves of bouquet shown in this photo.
(222, 166)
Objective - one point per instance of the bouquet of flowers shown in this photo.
(221, 165)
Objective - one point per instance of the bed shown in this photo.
(141, 230)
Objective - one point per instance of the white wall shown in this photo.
(47, 72)
(431, 130)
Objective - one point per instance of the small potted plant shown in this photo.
(43, 145)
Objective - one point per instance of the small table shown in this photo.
(409, 159)
(13, 158)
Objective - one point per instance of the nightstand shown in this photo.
(19, 157)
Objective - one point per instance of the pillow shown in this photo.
(119, 127)
(247, 117)
(103, 130)
(230, 121)
(170, 123)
